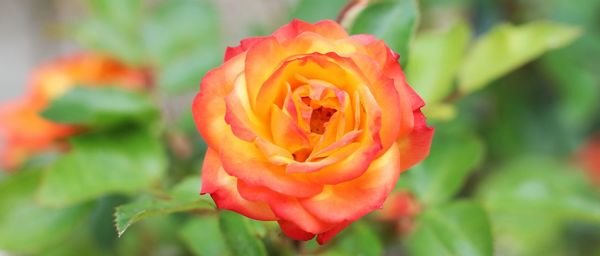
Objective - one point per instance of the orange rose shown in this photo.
(25, 132)
(309, 127)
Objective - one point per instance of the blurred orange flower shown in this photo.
(589, 158)
(400, 207)
(22, 129)
(309, 127)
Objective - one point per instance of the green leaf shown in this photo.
(113, 29)
(203, 236)
(434, 60)
(129, 214)
(99, 164)
(185, 72)
(100, 107)
(359, 239)
(316, 10)
(184, 197)
(26, 227)
(394, 21)
(508, 47)
(123, 13)
(102, 36)
(182, 56)
(238, 235)
(459, 228)
(439, 177)
(532, 199)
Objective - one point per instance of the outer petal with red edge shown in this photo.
(327, 28)
(285, 208)
(223, 189)
(415, 147)
(244, 46)
(209, 105)
(291, 230)
(324, 237)
(351, 200)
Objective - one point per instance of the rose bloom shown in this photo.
(308, 127)
(24, 132)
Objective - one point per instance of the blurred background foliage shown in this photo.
(512, 87)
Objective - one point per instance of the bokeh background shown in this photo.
(514, 168)
(33, 31)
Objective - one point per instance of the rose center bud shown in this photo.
(319, 117)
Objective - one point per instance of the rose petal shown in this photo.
(351, 200)
(245, 44)
(245, 161)
(293, 231)
(415, 147)
(223, 190)
(326, 28)
(286, 208)
(325, 237)
(209, 106)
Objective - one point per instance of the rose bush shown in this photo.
(24, 131)
(309, 127)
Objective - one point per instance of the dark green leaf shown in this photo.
(459, 228)
(453, 157)
(102, 107)
(26, 227)
(359, 239)
(238, 235)
(203, 236)
(184, 197)
(127, 215)
(316, 10)
(394, 21)
(98, 164)
(507, 47)
(531, 199)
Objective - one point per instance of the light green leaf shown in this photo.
(439, 111)
(185, 72)
(316, 10)
(394, 21)
(102, 36)
(184, 197)
(459, 228)
(507, 47)
(123, 13)
(113, 29)
(99, 164)
(434, 60)
(203, 236)
(26, 227)
(439, 177)
(100, 107)
(238, 235)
